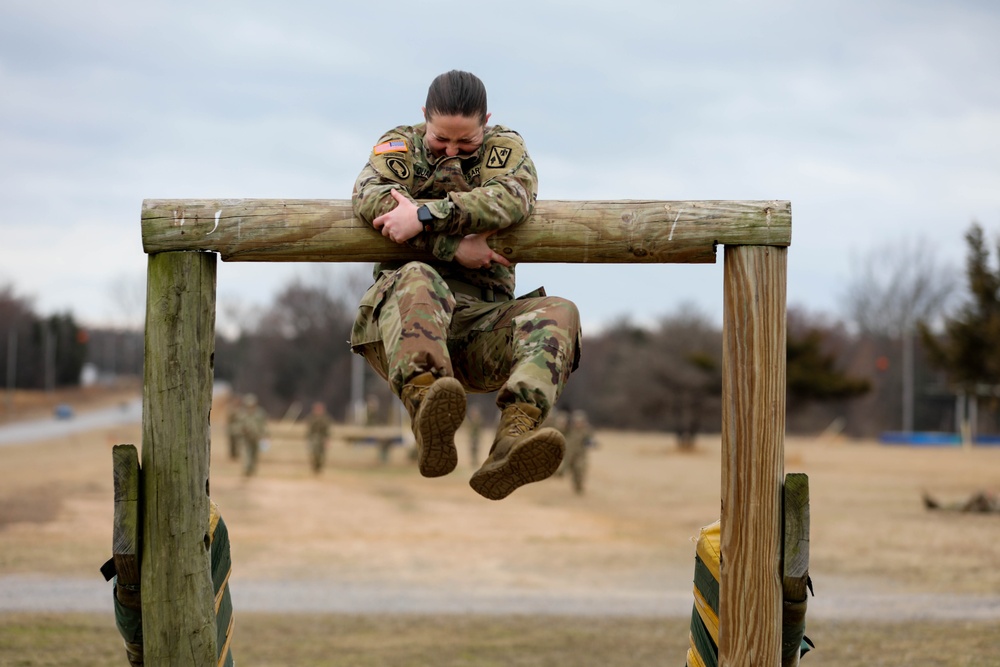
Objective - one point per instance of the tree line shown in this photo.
(911, 339)
(38, 352)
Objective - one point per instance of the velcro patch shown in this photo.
(394, 167)
(394, 146)
(503, 154)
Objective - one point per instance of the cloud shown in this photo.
(877, 120)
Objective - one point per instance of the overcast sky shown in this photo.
(878, 120)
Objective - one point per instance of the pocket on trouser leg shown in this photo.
(374, 354)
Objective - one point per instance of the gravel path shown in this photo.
(35, 593)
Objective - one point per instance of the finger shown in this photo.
(500, 259)
(397, 195)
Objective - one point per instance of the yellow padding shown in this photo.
(708, 547)
(693, 658)
(213, 519)
(708, 617)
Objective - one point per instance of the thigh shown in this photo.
(484, 341)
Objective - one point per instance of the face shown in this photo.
(454, 135)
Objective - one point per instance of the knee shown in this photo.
(564, 312)
(418, 271)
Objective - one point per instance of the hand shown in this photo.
(475, 253)
(400, 224)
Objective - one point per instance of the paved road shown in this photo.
(26, 432)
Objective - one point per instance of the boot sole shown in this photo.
(441, 413)
(529, 461)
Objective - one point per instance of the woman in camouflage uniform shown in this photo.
(437, 328)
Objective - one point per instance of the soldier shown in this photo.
(579, 438)
(232, 428)
(437, 329)
(252, 425)
(317, 433)
(980, 502)
(475, 431)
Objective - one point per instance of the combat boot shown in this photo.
(437, 409)
(522, 453)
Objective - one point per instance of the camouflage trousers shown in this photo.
(411, 322)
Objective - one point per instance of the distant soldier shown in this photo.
(373, 410)
(232, 428)
(579, 438)
(982, 502)
(559, 420)
(475, 418)
(318, 432)
(252, 427)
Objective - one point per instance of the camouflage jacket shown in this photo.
(494, 188)
(318, 427)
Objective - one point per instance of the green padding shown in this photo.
(706, 584)
(793, 639)
(703, 644)
(129, 621)
(793, 629)
(221, 564)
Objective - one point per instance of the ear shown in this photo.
(487, 118)
(423, 112)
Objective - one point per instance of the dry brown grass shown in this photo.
(338, 640)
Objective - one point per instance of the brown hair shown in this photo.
(456, 93)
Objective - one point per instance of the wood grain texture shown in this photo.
(125, 537)
(796, 536)
(753, 425)
(795, 565)
(177, 592)
(325, 230)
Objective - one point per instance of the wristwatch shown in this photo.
(425, 217)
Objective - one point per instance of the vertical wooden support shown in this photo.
(177, 593)
(126, 543)
(795, 567)
(753, 429)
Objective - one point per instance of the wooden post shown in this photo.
(753, 429)
(177, 593)
(795, 566)
(125, 539)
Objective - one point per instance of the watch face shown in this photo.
(424, 214)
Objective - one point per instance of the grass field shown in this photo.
(267, 640)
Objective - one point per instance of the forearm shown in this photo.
(372, 195)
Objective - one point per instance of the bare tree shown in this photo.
(128, 292)
(892, 288)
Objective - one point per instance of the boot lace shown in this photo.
(519, 422)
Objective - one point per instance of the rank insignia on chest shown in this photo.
(394, 146)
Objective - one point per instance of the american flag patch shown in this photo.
(394, 146)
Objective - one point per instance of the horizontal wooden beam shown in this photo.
(325, 230)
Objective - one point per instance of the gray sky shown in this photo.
(878, 120)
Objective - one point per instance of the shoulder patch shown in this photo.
(497, 159)
(393, 146)
(502, 155)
